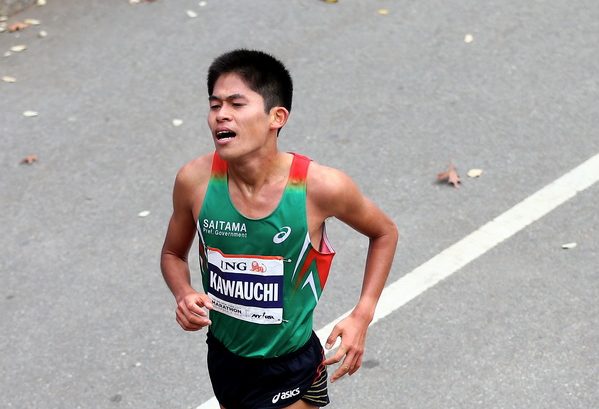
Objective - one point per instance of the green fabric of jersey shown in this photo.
(263, 275)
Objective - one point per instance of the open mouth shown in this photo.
(225, 134)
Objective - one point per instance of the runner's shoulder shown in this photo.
(327, 181)
(196, 172)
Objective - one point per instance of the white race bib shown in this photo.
(249, 288)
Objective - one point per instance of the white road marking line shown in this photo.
(474, 245)
(210, 404)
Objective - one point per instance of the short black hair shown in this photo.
(261, 72)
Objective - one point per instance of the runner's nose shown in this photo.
(223, 114)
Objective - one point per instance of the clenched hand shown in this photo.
(191, 311)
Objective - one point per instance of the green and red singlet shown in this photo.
(263, 275)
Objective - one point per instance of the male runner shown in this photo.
(264, 255)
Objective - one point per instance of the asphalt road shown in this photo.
(391, 99)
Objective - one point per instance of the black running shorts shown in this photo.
(268, 383)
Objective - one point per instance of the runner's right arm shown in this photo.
(190, 312)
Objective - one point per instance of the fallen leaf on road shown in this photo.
(6, 78)
(569, 246)
(18, 26)
(30, 114)
(450, 176)
(18, 48)
(29, 159)
(474, 173)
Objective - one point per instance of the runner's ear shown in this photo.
(278, 117)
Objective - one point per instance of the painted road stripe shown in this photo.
(474, 245)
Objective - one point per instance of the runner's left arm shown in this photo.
(343, 200)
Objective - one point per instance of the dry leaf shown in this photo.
(191, 14)
(450, 176)
(6, 78)
(32, 22)
(468, 38)
(383, 12)
(569, 246)
(18, 48)
(29, 159)
(30, 114)
(18, 26)
(474, 173)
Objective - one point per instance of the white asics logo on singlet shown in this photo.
(285, 395)
(282, 235)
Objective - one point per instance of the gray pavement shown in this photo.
(10, 7)
(88, 323)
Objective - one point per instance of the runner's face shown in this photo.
(237, 118)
